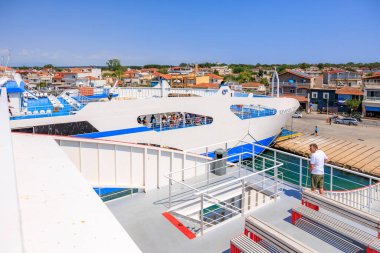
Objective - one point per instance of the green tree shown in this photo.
(244, 77)
(118, 73)
(352, 104)
(304, 65)
(163, 71)
(114, 64)
(48, 66)
(282, 68)
(264, 81)
(41, 85)
(216, 72)
(237, 69)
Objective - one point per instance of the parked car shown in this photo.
(357, 116)
(347, 121)
(297, 115)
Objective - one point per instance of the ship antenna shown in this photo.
(275, 75)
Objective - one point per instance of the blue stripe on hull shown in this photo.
(246, 148)
(114, 132)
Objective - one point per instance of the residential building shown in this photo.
(323, 99)
(33, 80)
(65, 78)
(222, 70)
(254, 87)
(214, 78)
(312, 71)
(180, 70)
(295, 82)
(340, 78)
(347, 93)
(83, 72)
(371, 101)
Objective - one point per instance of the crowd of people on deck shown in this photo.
(164, 121)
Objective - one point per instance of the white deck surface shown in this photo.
(60, 212)
(141, 216)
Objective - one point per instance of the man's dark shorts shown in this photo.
(316, 181)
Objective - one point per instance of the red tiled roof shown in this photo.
(206, 86)
(251, 84)
(296, 73)
(149, 69)
(165, 76)
(335, 71)
(6, 68)
(58, 76)
(299, 98)
(213, 76)
(132, 71)
(349, 91)
(79, 70)
(90, 78)
(374, 75)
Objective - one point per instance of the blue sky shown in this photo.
(170, 32)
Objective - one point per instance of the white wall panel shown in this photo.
(107, 166)
(137, 166)
(71, 148)
(177, 166)
(89, 162)
(123, 165)
(151, 169)
(119, 165)
(164, 168)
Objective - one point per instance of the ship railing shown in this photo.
(349, 187)
(218, 190)
(41, 111)
(143, 92)
(176, 123)
(252, 111)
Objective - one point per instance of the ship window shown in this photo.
(65, 129)
(173, 120)
(252, 111)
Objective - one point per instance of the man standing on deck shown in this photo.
(318, 159)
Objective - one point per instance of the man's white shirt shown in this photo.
(318, 160)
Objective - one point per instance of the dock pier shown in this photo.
(351, 155)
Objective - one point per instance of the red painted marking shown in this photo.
(179, 225)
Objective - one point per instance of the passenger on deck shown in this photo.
(318, 159)
(188, 119)
(181, 120)
(153, 121)
(145, 121)
(163, 119)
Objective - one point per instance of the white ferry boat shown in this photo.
(175, 122)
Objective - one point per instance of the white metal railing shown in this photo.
(351, 186)
(220, 194)
(358, 198)
(356, 189)
(115, 164)
(144, 92)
